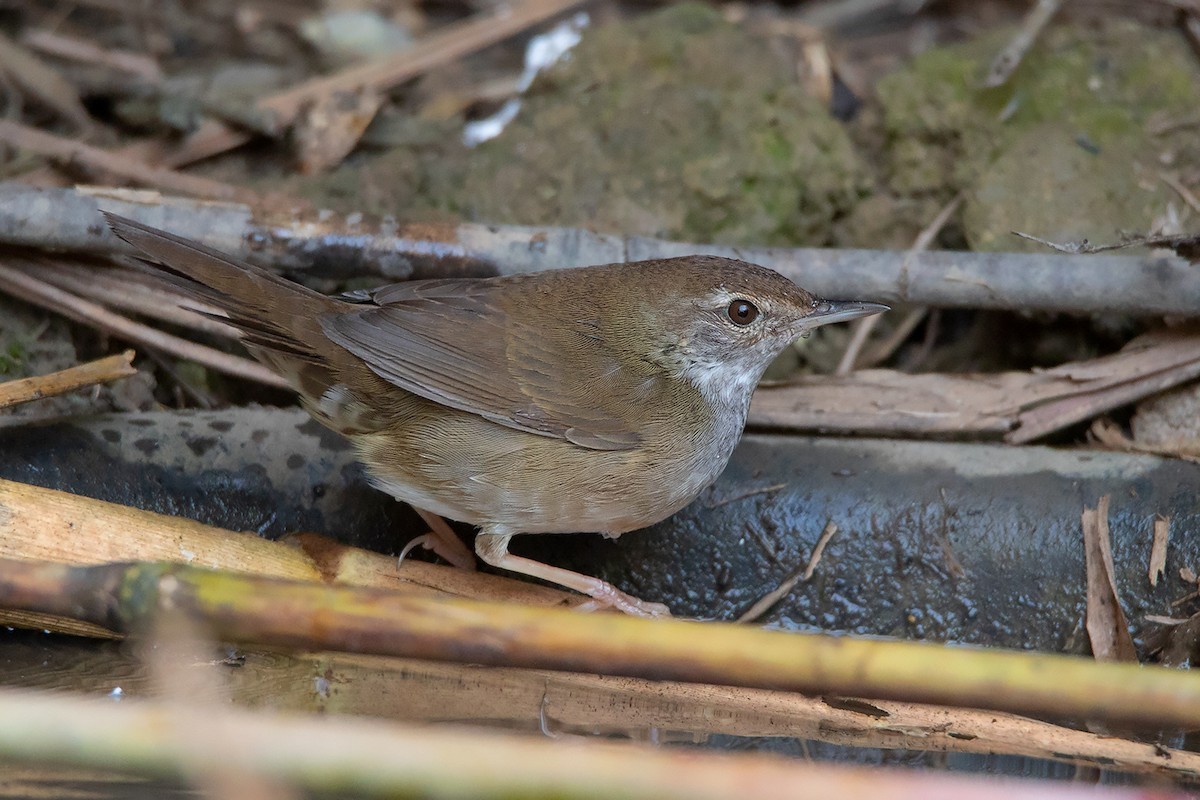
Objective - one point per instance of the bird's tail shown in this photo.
(279, 320)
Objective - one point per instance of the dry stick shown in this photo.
(125, 290)
(289, 614)
(101, 370)
(75, 49)
(66, 219)
(1006, 63)
(449, 44)
(1019, 406)
(864, 327)
(858, 339)
(779, 592)
(1109, 435)
(71, 151)
(38, 80)
(48, 525)
(375, 759)
(30, 289)
(1184, 192)
(888, 346)
(922, 243)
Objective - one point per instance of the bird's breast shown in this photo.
(473, 470)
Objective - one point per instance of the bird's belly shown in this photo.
(475, 471)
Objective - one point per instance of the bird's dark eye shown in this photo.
(742, 312)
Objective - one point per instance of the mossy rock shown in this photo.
(675, 124)
(1046, 183)
(1060, 150)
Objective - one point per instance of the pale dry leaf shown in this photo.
(1107, 627)
(1158, 548)
(330, 128)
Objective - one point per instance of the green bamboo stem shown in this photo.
(371, 758)
(277, 613)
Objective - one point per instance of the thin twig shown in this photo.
(1184, 192)
(1186, 245)
(858, 340)
(764, 603)
(884, 350)
(199, 396)
(30, 289)
(127, 291)
(724, 501)
(1158, 548)
(932, 329)
(1007, 61)
(76, 49)
(73, 152)
(101, 370)
(35, 78)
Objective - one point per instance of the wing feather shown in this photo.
(450, 342)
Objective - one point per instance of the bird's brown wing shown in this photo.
(450, 342)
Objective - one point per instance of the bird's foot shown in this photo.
(493, 548)
(626, 603)
(442, 540)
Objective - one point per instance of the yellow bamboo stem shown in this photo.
(289, 614)
(39, 524)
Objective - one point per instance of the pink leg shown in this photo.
(493, 548)
(442, 540)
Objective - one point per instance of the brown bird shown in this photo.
(596, 399)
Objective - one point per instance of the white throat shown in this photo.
(728, 385)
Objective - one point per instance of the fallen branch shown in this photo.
(337, 247)
(290, 614)
(66, 380)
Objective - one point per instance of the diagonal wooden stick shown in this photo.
(66, 380)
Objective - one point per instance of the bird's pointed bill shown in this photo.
(830, 311)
